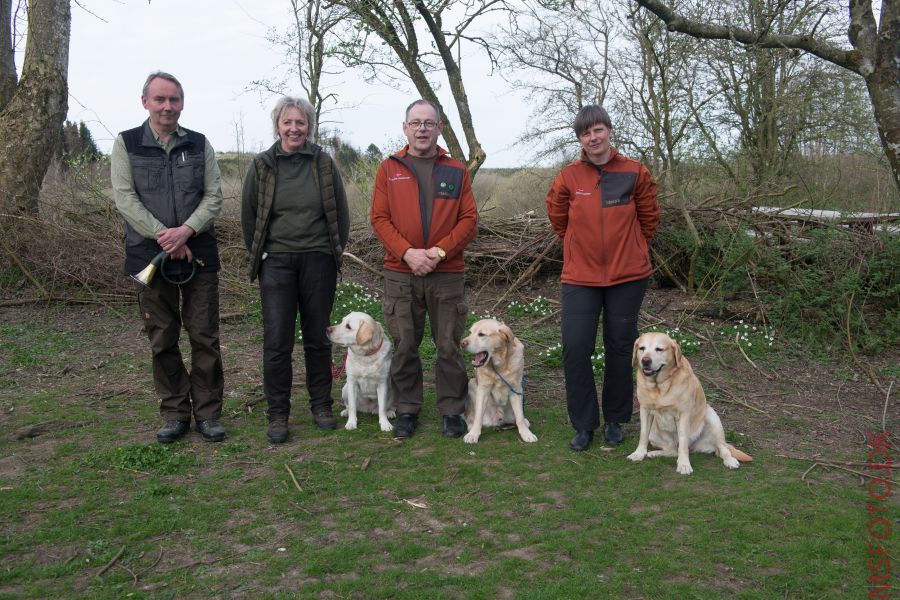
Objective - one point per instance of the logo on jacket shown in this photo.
(445, 185)
(398, 177)
(581, 192)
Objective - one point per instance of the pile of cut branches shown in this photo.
(504, 252)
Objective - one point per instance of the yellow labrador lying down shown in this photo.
(495, 393)
(674, 414)
(368, 368)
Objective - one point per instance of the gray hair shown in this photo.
(160, 75)
(589, 116)
(437, 113)
(300, 104)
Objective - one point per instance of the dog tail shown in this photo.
(741, 456)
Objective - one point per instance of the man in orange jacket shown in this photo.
(424, 213)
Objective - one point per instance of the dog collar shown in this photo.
(377, 348)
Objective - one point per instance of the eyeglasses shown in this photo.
(427, 125)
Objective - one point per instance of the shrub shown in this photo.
(822, 286)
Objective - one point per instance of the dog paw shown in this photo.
(527, 436)
(637, 456)
(391, 414)
(344, 412)
(351, 425)
(684, 468)
(731, 462)
(385, 426)
(472, 437)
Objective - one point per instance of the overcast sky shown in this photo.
(216, 48)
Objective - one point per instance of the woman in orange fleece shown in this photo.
(604, 208)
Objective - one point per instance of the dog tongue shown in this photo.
(480, 359)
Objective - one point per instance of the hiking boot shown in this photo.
(278, 429)
(324, 418)
(211, 430)
(172, 430)
(405, 425)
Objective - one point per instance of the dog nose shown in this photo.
(646, 361)
(328, 330)
(464, 343)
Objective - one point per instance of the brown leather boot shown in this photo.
(324, 418)
(278, 429)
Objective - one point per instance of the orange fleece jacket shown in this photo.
(606, 217)
(396, 214)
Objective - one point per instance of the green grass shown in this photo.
(372, 517)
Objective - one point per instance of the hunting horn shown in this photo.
(146, 275)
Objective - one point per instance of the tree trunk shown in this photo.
(884, 84)
(31, 119)
(8, 78)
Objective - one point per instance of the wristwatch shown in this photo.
(441, 254)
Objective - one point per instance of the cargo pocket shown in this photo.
(389, 308)
(462, 314)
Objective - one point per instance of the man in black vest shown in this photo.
(167, 187)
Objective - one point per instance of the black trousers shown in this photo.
(581, 310)
(288, 282)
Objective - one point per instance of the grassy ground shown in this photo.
(92, 507)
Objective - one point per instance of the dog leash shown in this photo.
(335, 372)
(511, 388)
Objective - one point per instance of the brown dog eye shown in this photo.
(348, 326)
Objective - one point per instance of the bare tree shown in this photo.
(660, 92)
(426, 37)
(558, 54)
(306, 43)
(33, 107)
(872, 55)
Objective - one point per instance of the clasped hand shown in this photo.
(421, 261)
(173, 241)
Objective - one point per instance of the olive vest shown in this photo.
(266, 173)
(171, 187)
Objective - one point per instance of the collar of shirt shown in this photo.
(173, 137)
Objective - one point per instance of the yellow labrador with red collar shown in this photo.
(674, 414)
(495, 393)
(368, 368)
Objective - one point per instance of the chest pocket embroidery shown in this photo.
(447, 182)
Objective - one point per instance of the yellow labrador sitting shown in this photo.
(674, 414)
(495, 393)
(368, 368)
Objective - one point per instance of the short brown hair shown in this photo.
(589, 116)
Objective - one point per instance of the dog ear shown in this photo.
(676, 350)
(364, 333)
(506, 333)
(634, 353)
